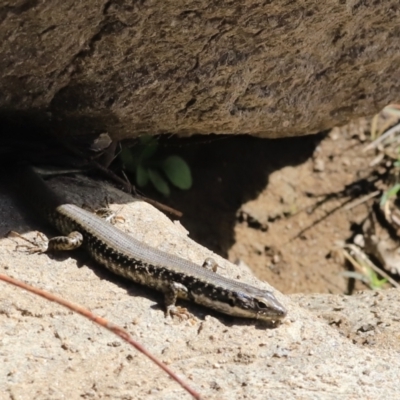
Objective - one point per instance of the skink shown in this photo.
(122, 254)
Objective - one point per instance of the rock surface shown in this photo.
(341, 346)
(271, 69)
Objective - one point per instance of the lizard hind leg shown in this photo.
(57, 243)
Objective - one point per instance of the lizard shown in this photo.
(126, 256)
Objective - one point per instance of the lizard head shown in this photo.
(262, 305)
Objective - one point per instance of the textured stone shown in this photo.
(328, 347)
(266, 68)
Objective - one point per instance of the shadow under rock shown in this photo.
(227, 172)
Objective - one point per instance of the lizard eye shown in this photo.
(261, 305)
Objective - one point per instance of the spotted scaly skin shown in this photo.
(172, 275)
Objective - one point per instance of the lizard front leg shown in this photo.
(171, 294)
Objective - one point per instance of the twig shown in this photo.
(318, 221)
(129, 188)
(362, 200)
(122, 333)
(381, 138)
(160, 206)
(370, 264)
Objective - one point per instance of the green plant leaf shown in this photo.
(159, 182)
(178, 172)
(146, 139)
(127, 159)
(389, 193)
(375, 282)
(142, 176)
(378, 284)
(148, 146)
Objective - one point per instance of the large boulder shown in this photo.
(270, 69)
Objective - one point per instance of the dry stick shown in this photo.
(122, 333)
(381, 138)
(368, 262)
(318, 220)
(129, 188)
(362, 200)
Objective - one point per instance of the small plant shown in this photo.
(370, 278)
(391, 192)
(143, 163)
(365, 270)
(374, 281)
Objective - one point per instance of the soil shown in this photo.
(277, 205)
